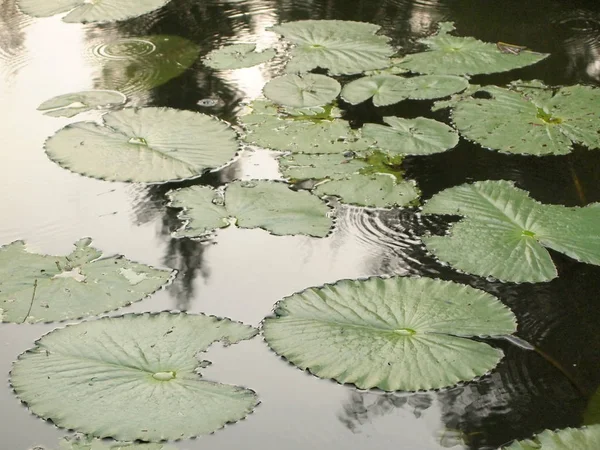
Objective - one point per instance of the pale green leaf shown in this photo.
(536, 121)
(451, 55)
(46, 288)
(83, 442)
(418, 136)
(390, 89)
(591, 415)
(393, 334)
(341, 47)
(587, 438)
(69, 105)
(333, 166)
(252, 204)
(504, 232)
(302, 91)
(237, 56)
(147, 145)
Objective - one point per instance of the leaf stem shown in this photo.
(32, 298)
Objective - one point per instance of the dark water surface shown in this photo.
(241, 273)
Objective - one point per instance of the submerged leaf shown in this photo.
(46, 288)
(317, 167)
(591, 415)
(83, 442)
(90, 11)
(301, 91)
(147, 145)
(587, 438)
(418, 136)
(69, 105)
(393, 334)
(254, 204)
(390, 89)
(451, 55)
(531, 118)
(504, 232)
(132, 377)
(237, 56)
(341, 47)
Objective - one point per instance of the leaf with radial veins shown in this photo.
(393, 334)
(451, 55)
(69, 105)
(46, 288)
(418, 136)
(531, 118)
(90, 11)
(237, 56)
(587, 438)
(302, 91)
(341, 47)
(390, 89)
(148, 145)
(253, 204)
(132, 377)
(504, 232)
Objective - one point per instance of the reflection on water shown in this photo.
(581, 37)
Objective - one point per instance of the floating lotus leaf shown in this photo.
(377, 190)
(137, 64)
(46, 288)
(90, 11)
(566, 439)
(591, 415)
(253, 204)
(341, 47)
(237, 56)
(332, 166)
(390, 89)
(451, 55)
(148, 145)
(393, 334)
(69, 105)
(82, 442)
(504, 232)
(132, 377)
(301, 91)
(530, 118)
(418, 136)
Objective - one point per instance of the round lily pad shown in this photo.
(237, 56)
(587, 438)
(133, 377)
(148, 145)
(69, 105)
(394, 334)
(301, 91)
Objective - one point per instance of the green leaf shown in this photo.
(591, 415)
(504, 232)
(46, 288)
(418, 136)
(377, 190)
(132, 377)
(332, 166)
(301, 91)
(393, 334)
(390, 89)
(451, 55)
(253, 204)
(531, 118)
(237, 56)
(83, 442)
(341, 47)
(138, 64)
(69, 105)
(90, 11)
(148, 145)
(587, 438)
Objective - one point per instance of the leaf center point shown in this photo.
(405, 331)
(164, 376)
(546, 117)
(138, 141)
(527, 233)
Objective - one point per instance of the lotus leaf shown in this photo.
(132, 377)
(148, 145)
(394, 334)
(341, 47)
(318, 167)
(237, 56)
(301, 91)
(254, 204)
(418, 136)
(390, 89)
(530, 118)
(69, 105)
(504, 232)
(90, 11)
(45, 288)
(451, 55)
(566, 439)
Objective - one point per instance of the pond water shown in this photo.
(241, 273)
